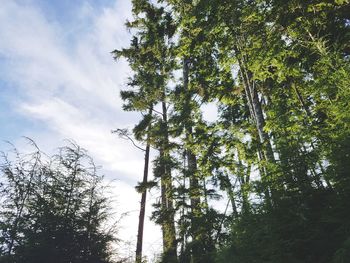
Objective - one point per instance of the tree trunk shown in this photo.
(168, 224)
(143, 201)
(194, 191)
(254, 104)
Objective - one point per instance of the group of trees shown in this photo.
(278, 152)
(53, 209)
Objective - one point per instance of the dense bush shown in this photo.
(53, 209)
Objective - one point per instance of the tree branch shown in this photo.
(124, 134)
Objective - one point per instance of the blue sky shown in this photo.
(57, 76)
(58, 80)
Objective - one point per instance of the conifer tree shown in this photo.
(150, 57)
(279, 149)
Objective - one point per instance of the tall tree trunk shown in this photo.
(194, 191)
(143, 200)
(254, 104)
(168, 224)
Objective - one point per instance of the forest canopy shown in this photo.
(279, 150)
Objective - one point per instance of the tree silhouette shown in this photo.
(54, 209)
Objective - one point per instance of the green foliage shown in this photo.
(279, 148)
(53, 209)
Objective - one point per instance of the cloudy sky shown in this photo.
(58, 81)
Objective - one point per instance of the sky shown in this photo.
(58, 81)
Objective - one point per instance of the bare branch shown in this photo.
(124, 134)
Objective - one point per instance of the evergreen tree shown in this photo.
(279, 149)
(150, 57)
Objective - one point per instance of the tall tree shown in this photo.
(150, 57)
(279, 147)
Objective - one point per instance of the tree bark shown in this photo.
(168, 226)
(197, 248)
(143, 201)
(254, 104)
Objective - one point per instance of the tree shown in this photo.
(279, 149)
(149, 56)
(54, 208)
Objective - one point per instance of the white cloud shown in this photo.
(68, 81)
(74, 89)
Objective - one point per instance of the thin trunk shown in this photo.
(183, 256)
(230, 192)
(302, 102)
(244, 180)
(87, 252)
(308, 113)
(205, 196)
(255, 108)
(194, 184)
(163, 190)
(143, 201)
(197, 248)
